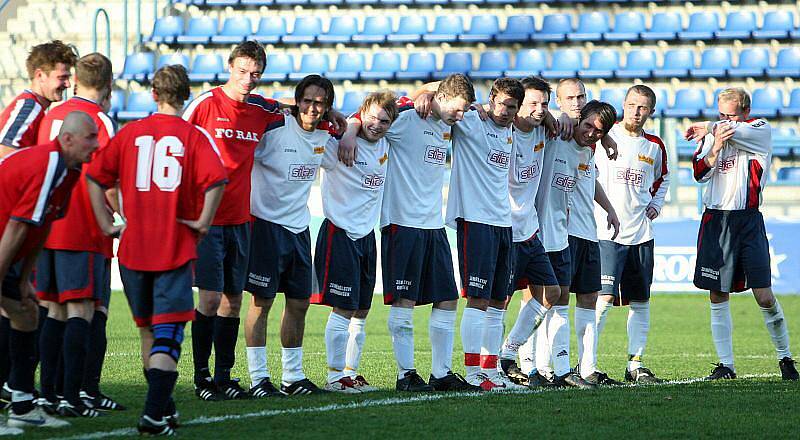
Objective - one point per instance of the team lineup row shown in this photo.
(223, 187)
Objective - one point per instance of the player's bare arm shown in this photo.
(105, 221)
(610, 145)
(13, 237)
(723, 133)
(210, 204)
(602, 200)
(347, 144)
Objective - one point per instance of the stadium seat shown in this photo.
(234, 30)
(446, 29)
(766, 102)
(172, 58)
(688, 104)
(256, 2)
(311, 63)
(793, 109)
(221, 2)
(753, 61)
(482, 29)
(555, 27)
(565, 64)
(738, 25)
(615, 97)
(326, 2)
(602, 64)
(199, 31)
(518, 29)
(348, 66)
(528, 62)
(206, 67)
(290, 2)
(628, 26)
(639, 63)
(685, 175)
(351, 101)
(397, 2)
(677, 63)
(341, 30)
(492, 65)
(430, 2)
(306, 29)
(787, 64)
(270, 29)
(784, 139)
(138, 66)
(419, 67)
(591, 27)
(410, 30)
(789, 174)
(376, 28)
(662, 102)
(469, 2)
(712, 112)
(117, 102)
(714, 63)
(384, 66)
(140, 105)
(279, 66)
(702, 26)
(166, 29)
(777, 24)
(665, 26)
(454, 62)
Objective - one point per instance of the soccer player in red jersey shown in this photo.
(170, 179)
(35, 186)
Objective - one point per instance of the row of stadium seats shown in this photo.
(715, 62)
(248, 3)
(592, 26)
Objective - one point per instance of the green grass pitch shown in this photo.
(758, 404)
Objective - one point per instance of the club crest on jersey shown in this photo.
(727, 164)
(563, 182)
(538, 146)
(446, 136)
(629, 176)
(372, 181)
(319, 150)
(302, 172)
(498, 158)
(509, 140)
(229, 133)
(528, 173)
(647, 159)
(584, 170)
(435, 155)
(383, 159)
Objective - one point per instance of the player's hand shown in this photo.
(347, 150)
(28, 297)
(696, 131)
(201, 228)
(566, 126)
(613, 222)
(338, 121)
(481, 109)
(114, 231)
(722, 134)
(651, 213)
(551, 125)
(423, 104)
(610, 145)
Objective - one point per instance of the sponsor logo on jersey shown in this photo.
(319, 150)
(435, 155)
(492, 135)
(539, 146)
(528, 173)
(383, 159)
(223, 119)
(498, 158)
(302, 172)
(446, 136)
(563, 182)
(372, 181)
(758, 123)
(428, 132)
(647, 159)
(230, 133)
(727, 164)
(289, 150)
(629, 176)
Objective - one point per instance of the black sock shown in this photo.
(95, 355)
(42, 319)
(76, 334)
(160, 386)
(60, 374)
(51, 338)
(226, 332)
(23, 367)
(5, 354)
(202, 338)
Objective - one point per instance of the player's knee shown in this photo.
(167, 340)
(57, 311)
(264, 304)
(361, 314)
(477, 303)
(450, 305)
(497, 304)
(83, 309)
(230, 305)
(552, 294)
(208, 302)
(764, 297)
(719, 297)
(297, 306)
(586, 300)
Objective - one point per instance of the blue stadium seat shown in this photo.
(384, 66)
(341, 30)
(140, 105)
(117, 102)
(306, 29)
(256, 2)
(470, 2)
(482, 29)
(348, 66)
(234, 30)
(777, 24)
(430, 2)
(702, 26)
(410, 30)
(270, 29)
(766, 102)
(665, 26)
(419, 67)
(555, 27)
(518, 29)
(639, 63)
(591, 27)
(714, 63)
(138, 66)
(351, 102)
(279, 66)
(376, 28)
(712, 112)
(628, 26)
(615, 97)
(793, 109)
(454, 62)
(565, 64)
(206, 67)
(326, 2)
(753, 61)
(677, 63)
(602, 64)
(492, 65)
(739, 25)
(172, 58)
(662, 101)
(789, 174)
(166, 29)
(685, 175)
(221, 2)
(784, 139)
(397, 2)
(199, 31)
(311, 63)
(528, 62)
(688, 104)
(787, 64)
(446, 29)
(290, 2)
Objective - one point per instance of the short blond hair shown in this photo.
(735, 94)
(383, 99)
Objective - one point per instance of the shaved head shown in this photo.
(78, 138)
(76, 122)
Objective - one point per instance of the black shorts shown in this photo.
(561, 262)
(63, 276)
(159, 297)
(531, 265)
(627, 270)
(280, 261)
(222, 259)
(732, 251)
(585, 256)
(345, 268)
(485, 260)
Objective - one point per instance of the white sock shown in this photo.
(722, 332)
(472, 323)
(257, 364)
(527, 358)
(530, 316)
(585, 331)
(638, 328)
(491, 341)
(292, 361)
(355, 346)
(442, 333)
(777, 328)
(542, 358)
(601, 313)
(401, 328)
(336, 335)
(559, 339)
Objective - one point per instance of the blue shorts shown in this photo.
(11, 282)
(627, 270)
(585, 257)
(63, 276)
(732, 251)
(159, 297)
(531, 265)
(561, 262)
(222, 259)
(280, 261)
(345, 268)
(485, 260)
(417, 265)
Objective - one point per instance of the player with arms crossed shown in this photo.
(733, 156)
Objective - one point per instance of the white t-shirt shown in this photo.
(523, 181)
(581, 211)
(286, 164)
(351, 196)
(479, 180)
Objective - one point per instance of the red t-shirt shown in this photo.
(236, 128)
(163, 166)
(78, 230)
(35, 186)
(19, 122)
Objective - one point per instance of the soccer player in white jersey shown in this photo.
(733, 157)
(346, 254)
(286, 164)
(415, 254)
(636, 183)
